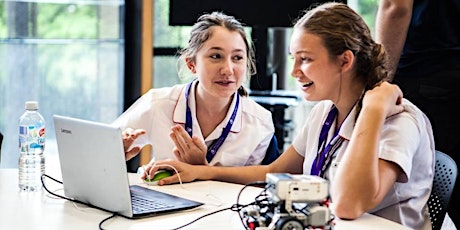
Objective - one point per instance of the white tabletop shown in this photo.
(22, 210)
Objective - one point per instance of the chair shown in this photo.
(445, 174)
(1, 140)
(272, 152)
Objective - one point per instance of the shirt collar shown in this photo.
(347, 127)
(179, 111)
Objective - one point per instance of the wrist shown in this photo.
(370, 116)
(373, 109)
(204, 172)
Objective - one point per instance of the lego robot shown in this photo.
(290, 202)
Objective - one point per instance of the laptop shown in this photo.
(94, 171)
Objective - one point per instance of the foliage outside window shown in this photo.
(67, 55)
(165, 67)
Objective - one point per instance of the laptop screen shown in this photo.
(93, 165)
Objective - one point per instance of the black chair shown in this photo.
(1, 140)
(272, 152)
(445, 174)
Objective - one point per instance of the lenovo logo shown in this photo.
(66, 131)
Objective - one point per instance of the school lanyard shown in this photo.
(212, 150)
(325, 152)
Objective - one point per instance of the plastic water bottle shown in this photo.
(31, 147)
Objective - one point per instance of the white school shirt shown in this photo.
(406, 139)
(160, 109)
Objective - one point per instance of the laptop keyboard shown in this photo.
(142, 203)
(146, 202)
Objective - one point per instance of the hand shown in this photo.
(386, 95)
(129, 135)
(188, 149)
(185, 171)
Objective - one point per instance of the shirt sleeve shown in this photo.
(400, 140)
(138, 116)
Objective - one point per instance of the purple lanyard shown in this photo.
(212, 150)
(325, 152)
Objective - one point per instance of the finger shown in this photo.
(399, 100)
(172, 135)
(182, 134)
(138, 132)
(127, 132)
(132, 153)
(199, 143)
(400, 96)
(130, 135)
(177, 154)
(174, 179)
(178, 149)
(146, 172)
(127, 138)
(185, 136)
(157, 165)
(186, 139)
(150, 171)
(181, 142)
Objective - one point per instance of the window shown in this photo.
(167, 39)
(67, 55)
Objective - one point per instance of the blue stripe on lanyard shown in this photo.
(212, 150)
(323, 149)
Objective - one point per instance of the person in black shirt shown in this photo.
(422, 39)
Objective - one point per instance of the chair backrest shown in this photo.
(272, 152)
(445, 174)
(1, 140)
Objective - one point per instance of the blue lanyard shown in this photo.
(212, 150)
(325, 152)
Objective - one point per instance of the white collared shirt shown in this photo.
(406, 140)
(160, 109)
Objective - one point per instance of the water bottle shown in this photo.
(31, 146)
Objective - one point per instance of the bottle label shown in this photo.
(41, 138)
(22, 130)
(30, 138)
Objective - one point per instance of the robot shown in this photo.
(290, 202)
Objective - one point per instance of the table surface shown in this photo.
(40, 210)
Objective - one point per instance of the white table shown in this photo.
(20, 210)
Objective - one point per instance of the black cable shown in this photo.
(72, 200)
(104, 220)
(54, 194)
(236, 207)
(203, 216)
(256, 183)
